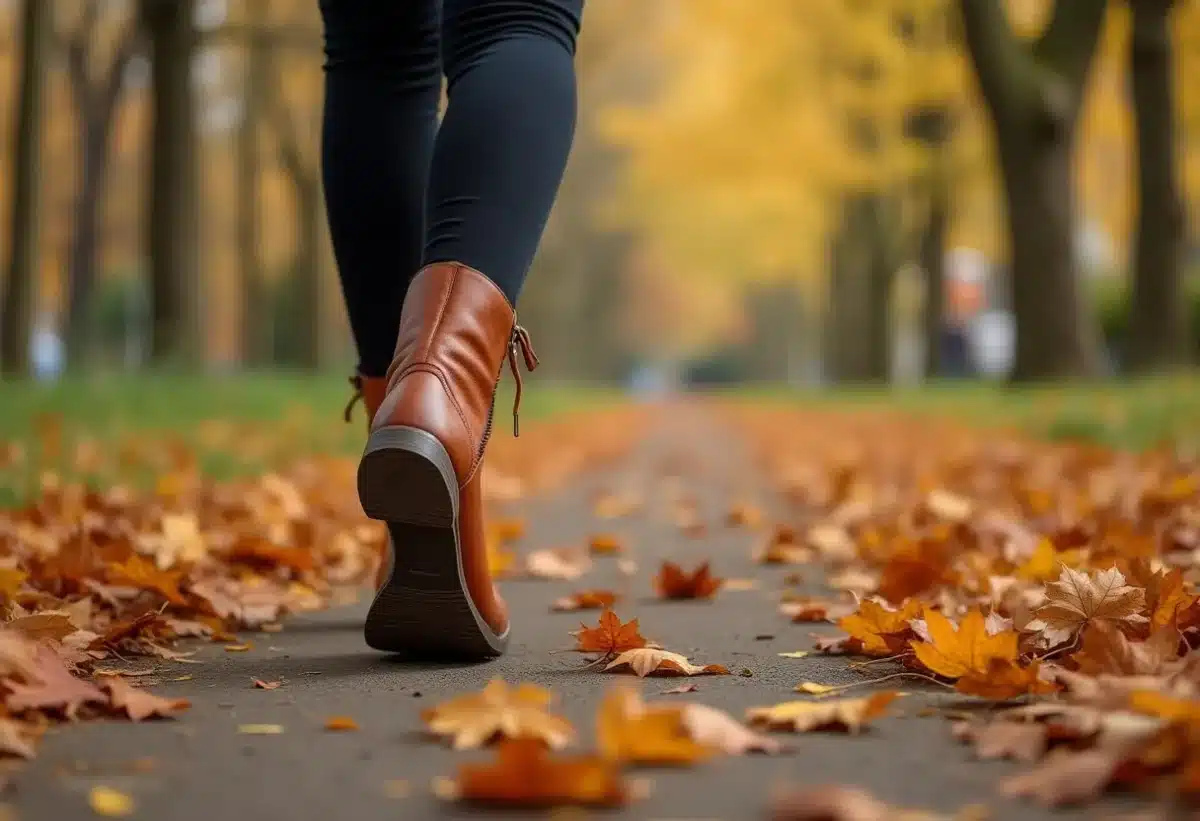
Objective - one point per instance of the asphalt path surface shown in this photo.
(201, 767)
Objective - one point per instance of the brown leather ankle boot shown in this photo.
(420, 471)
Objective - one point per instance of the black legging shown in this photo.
(402, 193)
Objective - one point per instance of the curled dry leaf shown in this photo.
(1065, 777)
(808, 610)
(609, 637)
(16, 738)
(139, 705)
(605, 544)
(839, 804)
(51, 687)
(557, 563)
(628, 732)
(845, 715)
(651, 661)
(1021, 741)
(259, 684)
(586, 600)
(341, 724)
(874, 622)
(525, 774)
(672, 582)
(499, 712)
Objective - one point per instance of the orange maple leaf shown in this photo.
(915, 569)
(673, 582)
(137, 572)
(586, 600)
(605, 544)
(525, 774)
(609, 637)
(1004, 680)
(966, 650)
(875, 620)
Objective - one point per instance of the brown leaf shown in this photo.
(1004, 679)
(560, 563)
(54, 625)
(674, 583)
(259, 684)
(1065, 777)
(1004, 739)
(714, 728)
(846, 715)
(499, 712)
(609, 637)
(1107, 650)
(139, 705)
(838, 804)
(53, 688)
(524, 774)
(1077, 600)
(585, 600)
(137, 572)
(651, 661)
(15, 739)
(605, 544)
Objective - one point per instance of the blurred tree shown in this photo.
(256, 314)
(19, 294)
(172, 205)
(1034, 90)
(1158, 323)
(98, 48)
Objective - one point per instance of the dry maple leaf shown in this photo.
(673, 583)
(808, 610)
(557, 563)
(967, 650)
(1018, 740)
(744, 514)
(15, 738)
(605, 544)
(1105, 649)
(873, 622)
(585, 600)
(847, 715)
(1077, 600)
(139, 705)
(52, 687)
(652, 661)
(524, 774)
(1004, 679)
(499, 712)
(48, 624)
(1166, 591)
(1066, 777)
(341, 724)
(628, 732)
(708, 725)
(609, 637)
(137, 572)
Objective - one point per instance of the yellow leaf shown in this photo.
(647, 661)
(627, 732)
(847, 715)
(260, 729)
(955, 653)
(812, 688)
(109, 802)
(1042, 566)
(499, 712)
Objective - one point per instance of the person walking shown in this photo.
(434, 228)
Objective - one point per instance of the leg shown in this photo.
(382, 86)
(497, 164)
(503, 144)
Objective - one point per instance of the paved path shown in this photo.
(199, 767)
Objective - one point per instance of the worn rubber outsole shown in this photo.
(424, 608)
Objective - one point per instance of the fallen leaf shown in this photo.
(1004, 679)
(52, 688)
(15, 739)
(839, 804)
(794, 654)
(682, 688)
(674, 583)
(267, 685)
(586, 600)
(1018, 740)
(139, 705)
(45, 625)
(524, 774)
(1105, 649)
(499, 712)
(260, 729)
(812, 688)
(847, 715)
(238, 648)
(873, 621)
(955, 652)
(109, 802)
(744, 514)
(137, 572)
(1065, 777)
(1077, 600)
(1042, 565)
(740, 585)
(557, 563)
(629, 733)
(609, 637)
(341, 724)
(650, 661)
(605, 544)
(715, 728)
(808, 610)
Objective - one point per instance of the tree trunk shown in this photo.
(1158, 328)
(848, 341)
(932, 254)
(172, 207)
(81, 264)
(880, 272)
(307, 272)
(256, 319)
(1033, 93)
(16, 319)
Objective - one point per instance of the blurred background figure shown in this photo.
(780, 192)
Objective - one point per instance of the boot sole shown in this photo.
(424, 608)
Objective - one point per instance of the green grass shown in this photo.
(1133, 415)
(136, 427)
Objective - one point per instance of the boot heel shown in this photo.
(423, 609)
(406, 476)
